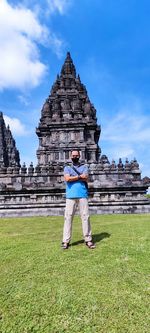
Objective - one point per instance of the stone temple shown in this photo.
(68, 121)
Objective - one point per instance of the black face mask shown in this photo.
(75, 160)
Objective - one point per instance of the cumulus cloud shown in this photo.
(21, 33)
(17, 128)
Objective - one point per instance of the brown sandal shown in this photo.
(65, 246)
(90, 245)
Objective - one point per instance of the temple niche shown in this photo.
(68, 121)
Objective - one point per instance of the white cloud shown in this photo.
(19, 59)
(21, 33)
(128, 126)
(57, 44)
(126, 133)
(24, 100)
(117, 151)
(21, 20)
(60, 5)
(48, 7)
(15, 125)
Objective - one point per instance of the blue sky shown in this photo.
(109, 42)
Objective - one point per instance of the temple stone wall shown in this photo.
(50, 202)
(42, 192)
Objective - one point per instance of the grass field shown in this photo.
(44, 289)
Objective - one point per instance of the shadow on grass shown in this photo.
(96, 238)
(99, 237)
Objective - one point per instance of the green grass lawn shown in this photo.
(44, 289)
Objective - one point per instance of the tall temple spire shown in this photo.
(68, 118)
(9, 155)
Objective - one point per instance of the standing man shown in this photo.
(76, 177)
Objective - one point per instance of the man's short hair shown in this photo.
(75, 150)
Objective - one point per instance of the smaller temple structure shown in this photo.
(68, 121)
(9, 155)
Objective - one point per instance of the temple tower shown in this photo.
(9, 155)
(68, 120)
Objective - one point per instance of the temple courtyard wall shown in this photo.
(44, 194)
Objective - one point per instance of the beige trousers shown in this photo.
(69, 214)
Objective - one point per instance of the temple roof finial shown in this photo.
(68, 68)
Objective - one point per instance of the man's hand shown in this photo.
(84, 177)
(69, 178)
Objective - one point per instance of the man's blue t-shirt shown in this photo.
(78, 188)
